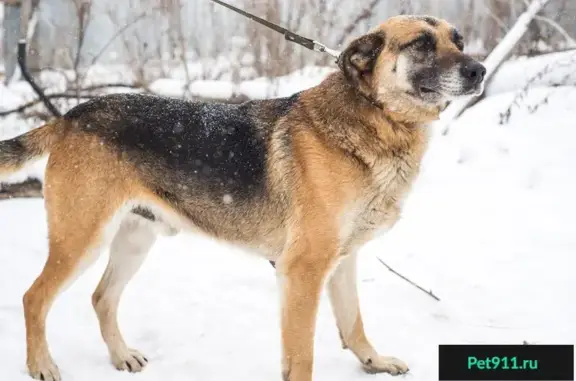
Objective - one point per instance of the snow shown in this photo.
(258, 88)
(489, 228)
(545, 70)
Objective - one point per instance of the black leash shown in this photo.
(288, 35)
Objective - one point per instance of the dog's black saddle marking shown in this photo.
(214, 148)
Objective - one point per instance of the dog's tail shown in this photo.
(17, 152)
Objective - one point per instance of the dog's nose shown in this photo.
(473, 71)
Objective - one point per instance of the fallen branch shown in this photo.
(428, 292)
(30, 188)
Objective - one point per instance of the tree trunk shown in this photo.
(11, 28)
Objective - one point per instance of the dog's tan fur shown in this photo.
(354, 153)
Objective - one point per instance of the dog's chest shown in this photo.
(379, 207)
(391, 183)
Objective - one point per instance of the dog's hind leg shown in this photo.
(86, 191)
(127, 253)
(76, 237)
(345, 304)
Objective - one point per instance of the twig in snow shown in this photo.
(429, 292)
(521, 95)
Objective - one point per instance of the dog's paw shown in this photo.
(131, 360)
(383, 364)
(45, 371)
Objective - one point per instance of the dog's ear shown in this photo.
(359, 58)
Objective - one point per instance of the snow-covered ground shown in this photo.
(489, 228)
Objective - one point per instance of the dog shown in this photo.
(303, 181)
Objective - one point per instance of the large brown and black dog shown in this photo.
(304, 181)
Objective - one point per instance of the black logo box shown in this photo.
(487, 362)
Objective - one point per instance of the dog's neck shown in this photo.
(338, 92)
(354, 123)
(402, 109)
(399, 108)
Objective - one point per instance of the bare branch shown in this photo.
(521, 95)
(83, 8)
(364, 15)
(75, 94)
(559, 29)
(115, 35)
(495, 17)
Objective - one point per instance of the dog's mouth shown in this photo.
(477, 89)
(427, 91)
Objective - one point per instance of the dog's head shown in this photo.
(412, 61)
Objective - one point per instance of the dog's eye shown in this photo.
(425, 43)
(458, 40)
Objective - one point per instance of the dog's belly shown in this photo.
(265, 238)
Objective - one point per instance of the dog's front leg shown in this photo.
(301, 273)
(343, 293)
